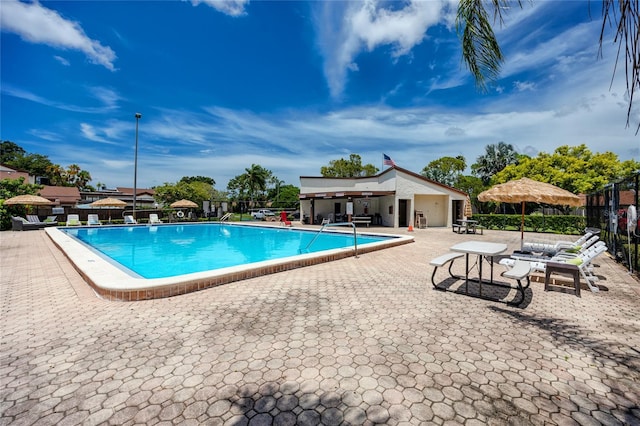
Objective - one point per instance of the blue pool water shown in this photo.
(170, 250)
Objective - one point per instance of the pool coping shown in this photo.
(112, 283)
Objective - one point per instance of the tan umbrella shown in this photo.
(529, 190)
(109, 202)
(184, 204)
(29, 200)
(468, 211)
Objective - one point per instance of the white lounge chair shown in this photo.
(583, 261)
(92, 220)
(553, 248)
(73, 220)
(153, 218)
(129, 220)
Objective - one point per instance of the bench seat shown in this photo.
(521, 270)
(361, 219)
(441, 261)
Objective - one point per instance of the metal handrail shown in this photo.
(355, 234)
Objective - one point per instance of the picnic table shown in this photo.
(466, 226)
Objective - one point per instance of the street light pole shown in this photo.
(135, 167)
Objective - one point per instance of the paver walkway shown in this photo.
(356, 341)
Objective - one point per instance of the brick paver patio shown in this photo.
(356, 341)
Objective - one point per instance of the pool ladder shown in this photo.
(355, 234)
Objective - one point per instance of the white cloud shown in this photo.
(108, 98)
(345, 29)
(524, 86)
(228, 7)
(62, 60)
(37, 24)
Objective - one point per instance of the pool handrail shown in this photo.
(355, 234)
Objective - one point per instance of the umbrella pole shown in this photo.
(522, 229)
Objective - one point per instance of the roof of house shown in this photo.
(139, 191)
(64, 194)
(389, 170)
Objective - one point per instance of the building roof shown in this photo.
(139, 191)
(384, 172)
(68, 195)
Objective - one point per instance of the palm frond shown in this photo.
(480, 49)
(626, 20)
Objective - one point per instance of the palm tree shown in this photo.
(496, 157)
(255, 180)
(482, 54)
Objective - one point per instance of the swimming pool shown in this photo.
(146, 262)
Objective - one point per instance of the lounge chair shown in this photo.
(22, 224)
(92, 220)
(582, 261)
(73, 220)
(33, 218)
(51, 219)
(553, 248)
(129, 220)
(153, 218)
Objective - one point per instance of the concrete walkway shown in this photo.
(356, 341)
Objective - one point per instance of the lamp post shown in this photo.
(135, 167)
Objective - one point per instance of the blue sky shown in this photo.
(293, 85)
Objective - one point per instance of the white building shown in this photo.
(392, 198)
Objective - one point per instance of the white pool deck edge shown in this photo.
(113, 283)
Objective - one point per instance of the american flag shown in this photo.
(387, 161)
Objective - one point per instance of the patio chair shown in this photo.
(129, 220)
(51, 219)
(153, 218)
(73, 220)
(92, 220)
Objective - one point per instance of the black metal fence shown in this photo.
(614, 212)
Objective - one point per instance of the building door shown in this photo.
(403, 213)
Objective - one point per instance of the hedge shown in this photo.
(557, 224)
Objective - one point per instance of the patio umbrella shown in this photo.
(109, 202)
(28, 200)
(468, 211)
(184, 204)
(529, 190)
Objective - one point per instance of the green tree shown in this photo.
(348, 168)
(482, 55)
(10, 152)
(10, 188)
(205, 179)
(255, 180)
(496, 157)
(284, 196)
(35, 164)
(575, 169)
(445, 170)
(196, 191)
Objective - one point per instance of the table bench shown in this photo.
(456, 227)
(441, 261)
(521, 270)
(361, 219)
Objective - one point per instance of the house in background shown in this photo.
(144, 197)
(62, 196)
(391, 198)
(8, 172)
